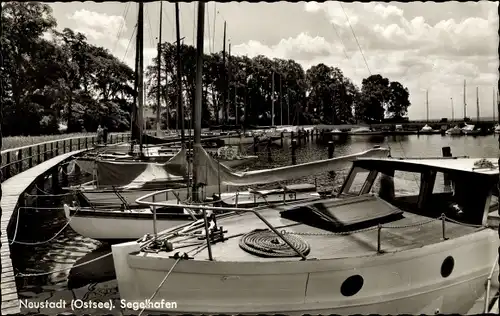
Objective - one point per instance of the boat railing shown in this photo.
(220, 209)
(488, 286)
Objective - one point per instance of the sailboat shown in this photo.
(426, 251)
(131, 221)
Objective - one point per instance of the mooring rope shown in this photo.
(265, 243)
(161, 284)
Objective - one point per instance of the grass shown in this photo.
(20, 141)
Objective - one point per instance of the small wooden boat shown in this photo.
(378, 247)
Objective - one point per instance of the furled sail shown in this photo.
(210, 171)
(136, 174)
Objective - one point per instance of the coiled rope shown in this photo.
(265, 243)
(484, 164)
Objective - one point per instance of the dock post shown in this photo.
(30, 157)
(255, 144)
(281, 139)
(79, 143)
(331, 149)
(20, 161)
(299, 137)
(45, 152)
(322, 135)
(70, 145)
(7, 167)
(269, 155)
(37, 154)
(292, 135)
(57, 148)
(86, 142)
(294, 147)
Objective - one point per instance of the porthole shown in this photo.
(447, 266)
(352, 285)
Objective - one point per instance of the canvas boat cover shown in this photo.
(138, 174)
(210, 171)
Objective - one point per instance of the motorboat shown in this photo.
(428, 130)
(454, 131)
(402, 236)
(470, 130)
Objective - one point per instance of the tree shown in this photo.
(398, 100)
(375, 94)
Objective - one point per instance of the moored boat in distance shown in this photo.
(364, 131)
(454, 131)
(428, 130)
(379, 246)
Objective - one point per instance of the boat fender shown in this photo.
(184, 256)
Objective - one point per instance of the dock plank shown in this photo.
(12, 188)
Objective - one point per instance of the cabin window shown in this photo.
(454, 196)
(443, 184)
(402, 186)
(356, 181)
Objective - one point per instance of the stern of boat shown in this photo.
(125, 275)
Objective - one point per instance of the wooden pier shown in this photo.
(22, 167)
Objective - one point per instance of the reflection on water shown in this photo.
(64, 250)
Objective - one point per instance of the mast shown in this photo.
(493, 104)
(224, 106)
(272, 100)
(465, 102)
(134, 115)
(452, 111)
(180, 106)
(198, 99)
(158, 93)
(235, 105)
(140, 72)
(281, 104)
(427, 103)
(228, 82)
(477, 104)
(288, 105)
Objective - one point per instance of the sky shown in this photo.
(427, 46)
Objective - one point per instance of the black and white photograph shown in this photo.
(249, 158)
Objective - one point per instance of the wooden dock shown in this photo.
(12, 189)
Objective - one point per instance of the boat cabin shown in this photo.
(464, 189)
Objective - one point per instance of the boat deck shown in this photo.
(12, 188)
(410, 231)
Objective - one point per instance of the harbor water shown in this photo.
(51, 249)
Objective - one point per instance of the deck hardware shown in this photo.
(379, 232)
(443, 226)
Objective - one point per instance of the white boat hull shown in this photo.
(115, 227)
(401, 282)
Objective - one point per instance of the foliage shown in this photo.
(55, 77)
(59, 80)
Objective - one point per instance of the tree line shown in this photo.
(67, 80)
